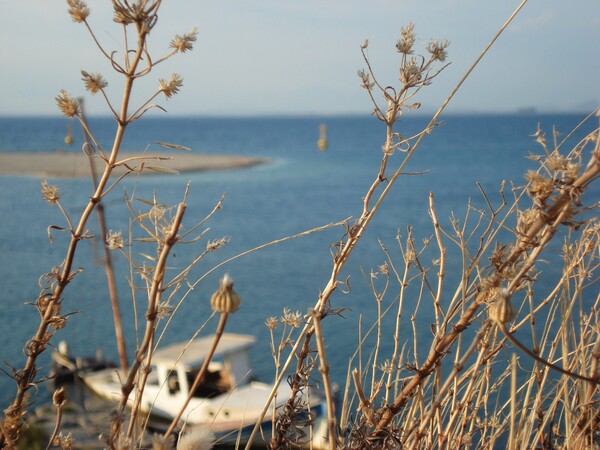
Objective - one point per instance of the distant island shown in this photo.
(73, 165)
(527, 110)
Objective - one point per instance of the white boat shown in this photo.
(228, 402)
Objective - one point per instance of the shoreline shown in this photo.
(60, 164)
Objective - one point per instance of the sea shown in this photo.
(300, 188)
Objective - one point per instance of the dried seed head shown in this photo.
(211, 246)
(384, 269)
(365, 80)
(539, 187)
(59, 398)
(539, 137)
(186, 42)
(64, 441)
(571, 172)
(78, 10)
(387, 367)
(527, 218)
(437, 49)
(409, 254)
(160, 443)
(272, 323)
(123, 443)
(94, 82)
(225, 299)
(197, 439)
(291, 319)
(67, 104)
(142, 12)
(120, 17)
(171, 87)
(364, 44)
(407, 39)
(556, 162)
(502, 310)
(50, 193)
(410, 73)
(114, 240)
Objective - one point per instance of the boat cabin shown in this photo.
(175, 366)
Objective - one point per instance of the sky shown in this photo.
(270, 57)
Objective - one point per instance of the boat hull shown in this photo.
(231, 416)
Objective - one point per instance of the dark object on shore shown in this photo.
(66, 368)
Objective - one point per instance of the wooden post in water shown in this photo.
(108, 267)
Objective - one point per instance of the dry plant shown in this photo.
(453, 397)
(415, 72)
(163, 229)
(463, 393)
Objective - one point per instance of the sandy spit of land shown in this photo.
(72, 165)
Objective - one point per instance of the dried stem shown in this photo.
(38, 342)
(200, 375)
(143, 351)
(59, 403)
(324, 369)
(594, 380)
(108, 266)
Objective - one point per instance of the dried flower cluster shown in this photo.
(384, 269)
(159, 442)
(171, 87)
(211, 246)
(64, 441)
(407, 39)
(50, 193)
(437, 49)
(114, 240)
(291, 319)
(78, 10)
(365, 79)
(415, 72)
(68, 105)
(197, 439)
(93, 82)
(142, 12)
(184, 43)
(526, 219)
(539, 186)
(272, 322)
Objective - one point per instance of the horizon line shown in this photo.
(527, 111)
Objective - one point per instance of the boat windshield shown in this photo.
(216, 382)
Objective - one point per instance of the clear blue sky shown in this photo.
(301, 56)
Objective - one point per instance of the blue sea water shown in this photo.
(299, 189)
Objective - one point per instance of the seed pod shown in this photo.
(225, 299)
(502, 310)
(59, 398)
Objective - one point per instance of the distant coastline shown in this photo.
(73, 165)
(425, 112)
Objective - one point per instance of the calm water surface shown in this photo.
(299, 189)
